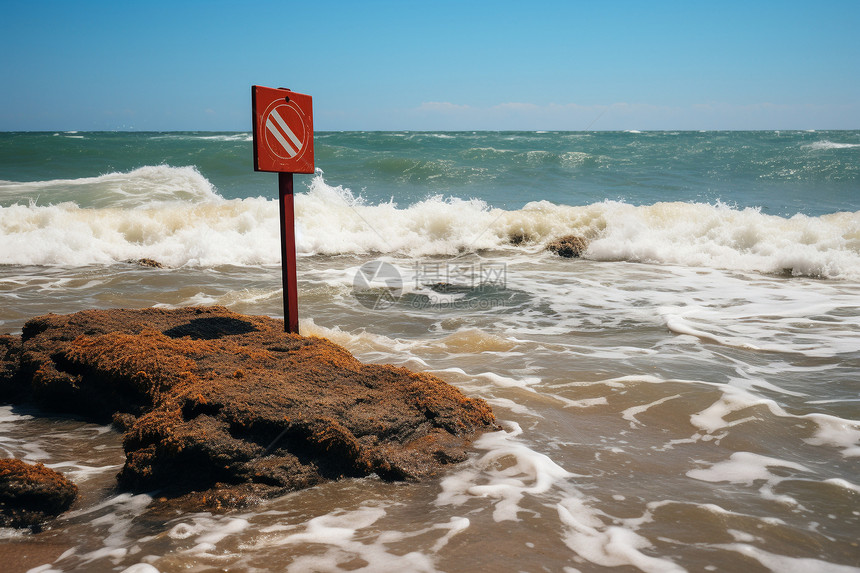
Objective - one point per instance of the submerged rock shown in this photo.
(520, 238)
(32, 494)
(147, 263)
(231, 406)
(569, 246)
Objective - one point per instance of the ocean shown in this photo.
(685, 396)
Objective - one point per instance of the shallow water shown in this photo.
(658, 417)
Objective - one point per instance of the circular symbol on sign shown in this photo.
(285, 131)
(377, 285)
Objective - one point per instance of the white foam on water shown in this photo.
(234, 297)
(148, 185)
(524, 383)
(609, 546)
(831, 431)
(174, 215)
(826, 144)
(836, 432)
(337, 534)
(582, 403)
(630, 413)
(112, 527)
(360, 342)
(507, 472)
(141, 568)
(514, 407)
(370, 346)
(745, 539)
(510, 471)
(718, 236)
(80, 473)
(621, 380)
(715, 423)
(207, 532)
(703, 307)
(44, 569)
(784, 564)
(678, 325)
(454, 526)
(8, 417)
(744, 468)
(843, 484)
(227, 232)
(336, 528)
(240, 137)
(713, 508)
(768, 315)
(336, 221)
(713, 418)
(471, 340)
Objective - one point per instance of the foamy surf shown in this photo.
(146, 186)
(175, 216)
(832, 145)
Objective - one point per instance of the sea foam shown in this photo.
(145, 186)
(832, 145)
(174, 215)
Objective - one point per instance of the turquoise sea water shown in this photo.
(778, 172)
(683, 397)
(781, 172)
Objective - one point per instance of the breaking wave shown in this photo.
(174, 215)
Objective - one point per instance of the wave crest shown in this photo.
(146, 186)
(825, 144)
(173, 215)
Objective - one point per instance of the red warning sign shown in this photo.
(283, 130)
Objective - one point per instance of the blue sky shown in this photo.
(452, 65)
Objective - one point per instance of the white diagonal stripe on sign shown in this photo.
(279, 136)
(287, 130)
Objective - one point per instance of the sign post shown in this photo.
(284, 143)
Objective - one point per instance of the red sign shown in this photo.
(283, 130)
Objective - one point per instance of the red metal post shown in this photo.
(288, 253)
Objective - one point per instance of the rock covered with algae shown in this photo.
(229, 408)
(568, 246)
(31, 494)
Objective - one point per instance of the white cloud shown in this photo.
(443, 107)
(517, 106)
